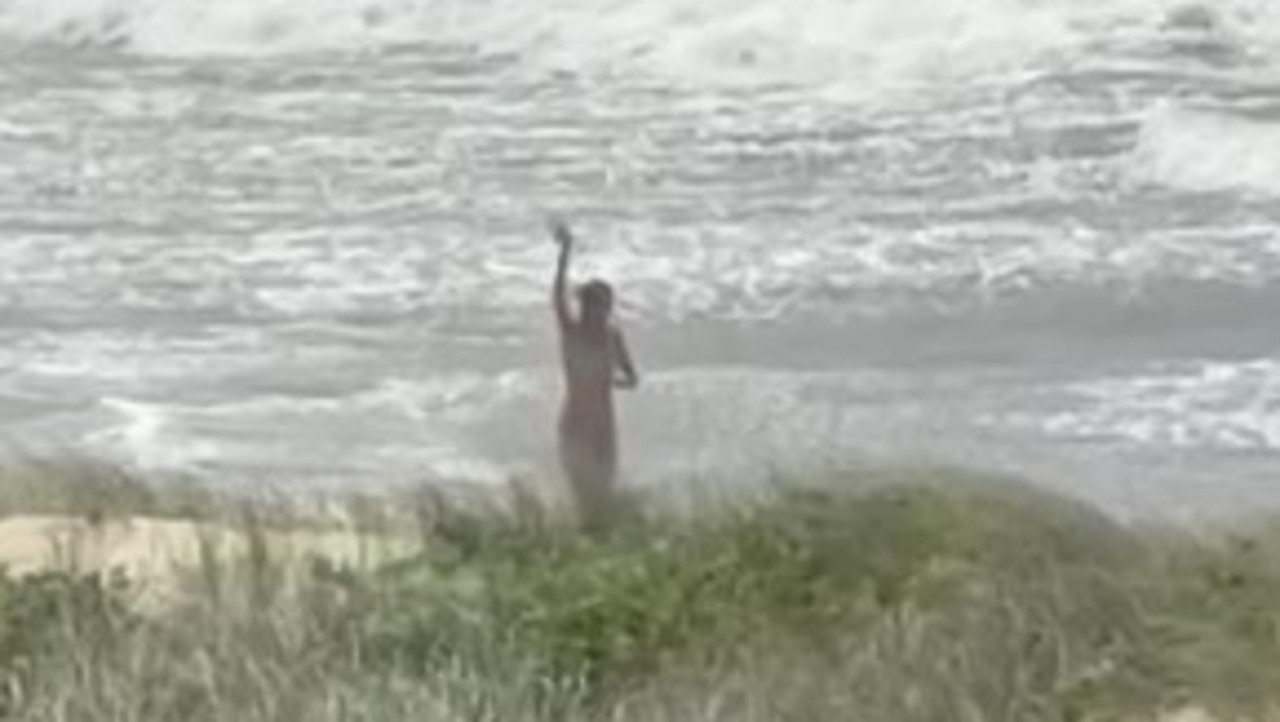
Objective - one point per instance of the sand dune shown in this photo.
(156, 555)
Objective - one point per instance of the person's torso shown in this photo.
(588, 368)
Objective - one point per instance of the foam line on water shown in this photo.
(394, 430)
(1197, 150)
(857, 44)
(1211, 405)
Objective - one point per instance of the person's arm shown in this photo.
(559, 288)
(627, 377)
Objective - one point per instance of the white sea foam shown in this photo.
(1208, 405)
(153, 206)
(1203, 151)
(702, 420)
(870, 43)
(399, 430)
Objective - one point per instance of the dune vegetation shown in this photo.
(875, 595)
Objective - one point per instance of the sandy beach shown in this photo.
(158, 555)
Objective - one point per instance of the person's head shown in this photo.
(595, 298)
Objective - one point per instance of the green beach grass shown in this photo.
(876, 595)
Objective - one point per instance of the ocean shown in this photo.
(302, 242)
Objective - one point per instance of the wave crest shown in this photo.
(861, 43)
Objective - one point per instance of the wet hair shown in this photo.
(596, 294)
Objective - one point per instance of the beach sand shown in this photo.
(157, 555)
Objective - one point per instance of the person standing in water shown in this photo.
(596, 361)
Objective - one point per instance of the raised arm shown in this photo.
(627, 377)
(559, 288)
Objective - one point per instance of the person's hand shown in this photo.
(560, 232)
